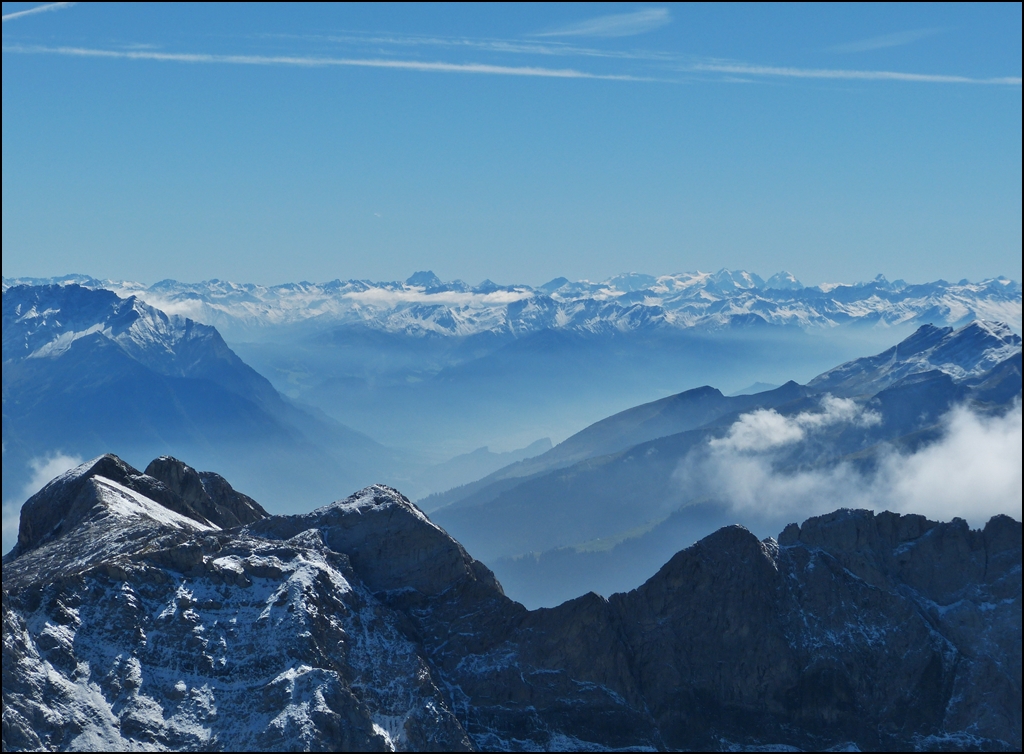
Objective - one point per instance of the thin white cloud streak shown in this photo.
(729, 69)
(830, 73)
(321, 62)
(884, 41)
(32, 11)
(614, 25)
(973, 471)
(501, 46)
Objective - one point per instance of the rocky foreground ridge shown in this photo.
(167, 610)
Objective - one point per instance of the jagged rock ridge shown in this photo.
(132, 619)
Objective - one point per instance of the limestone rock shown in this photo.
(207, 493)
(133, 618)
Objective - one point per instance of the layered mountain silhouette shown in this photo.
(86, 370)
(424, 304)
(442, 368)
(167, 610)
(602, 509)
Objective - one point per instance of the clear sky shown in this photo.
(282, 143)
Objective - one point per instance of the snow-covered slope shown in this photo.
(46, 322)
(968, 352)
(261, 644)
(424, 304)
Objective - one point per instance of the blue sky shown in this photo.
(281, 143)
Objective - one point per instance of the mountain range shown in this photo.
(647, 477)
(166, 610)
(86, 370)
(424, 304)
(441, 369)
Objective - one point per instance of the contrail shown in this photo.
(826, 73)
(314, 62)
(615, 25)
(500, 70)
(38, 9)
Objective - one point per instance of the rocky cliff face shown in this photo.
(166, 610)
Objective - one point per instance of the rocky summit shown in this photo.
(166, 610)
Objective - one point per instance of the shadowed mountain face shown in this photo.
(85, 370)
(661, 418)
(137, 615)
(603, 509)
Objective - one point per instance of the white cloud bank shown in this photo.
(766, 428)
(973, 471)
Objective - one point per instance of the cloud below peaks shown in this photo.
(765, 429)
(43, 469)
(972, 471)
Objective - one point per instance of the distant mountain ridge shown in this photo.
(668, 416)
(424, 304)
(84, 370)
(45, 322)
(525, 520)
(439, 369)
(962, 354)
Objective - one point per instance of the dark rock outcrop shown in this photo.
(362, 625)
(207, 493)
(829, 640)
(63, 503)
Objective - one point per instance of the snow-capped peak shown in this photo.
(967, 352)
(783, 281)
(424, 304)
